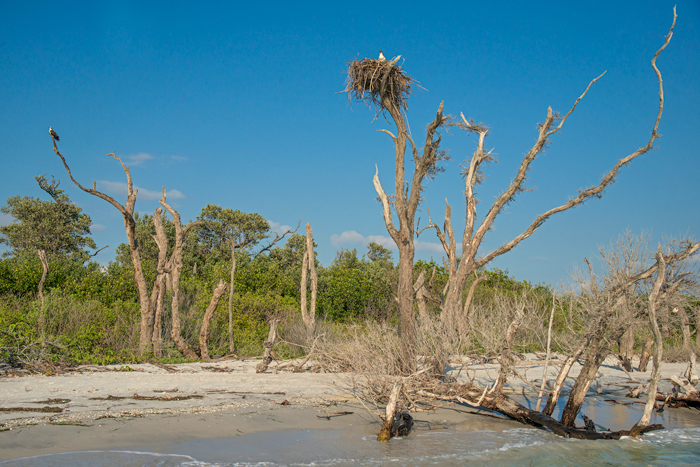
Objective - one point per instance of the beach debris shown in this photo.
(46, 409)
(217, 369)
(149, 398)
(329, 414)
(284, 402)
(53, 401)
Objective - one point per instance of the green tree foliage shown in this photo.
(379, 254)
(220, 226)
(58, 227)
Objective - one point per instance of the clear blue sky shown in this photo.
(239, 105)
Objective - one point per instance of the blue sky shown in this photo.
(239, 105)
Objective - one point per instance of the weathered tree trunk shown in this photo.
(158, 291)
(658, 348)
(553, 397)
(627, 349)
(419, 289)
(204, 331)
(646, 354)
(231, 344)
(44, 273)
(267, 346)
(158, 294)
(175, 269)
(546, 360)
(691, 374)
(390, 413)
(309, 263)
(596, 354)
(506, 358)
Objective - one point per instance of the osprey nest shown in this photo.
(369, 79)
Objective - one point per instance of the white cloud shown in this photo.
(6, 219)
(119, 189)
(139, 158)
(97, 228)
(178, 158)
(278, 228)
(351, 237)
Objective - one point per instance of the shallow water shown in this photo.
(477, 441)
(518, 446)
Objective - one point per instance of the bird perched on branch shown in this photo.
(382, 58)
(53, 134)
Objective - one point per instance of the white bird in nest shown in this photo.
(382, 58)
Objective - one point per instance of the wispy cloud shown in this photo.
(97, 228)
(5, 219)
(351, 237)
(178, 158)
(139, 158)
(119, 189)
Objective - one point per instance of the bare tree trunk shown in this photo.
(204, 331)
(646, 354)
(44, 273)
(658, 348)
(464, 320)
(159, 291)
(546, 361)
(231, 344)
(691, 373)
(267, 346)
(697, 327)
(419, 289)
(596, 354)
(175, 269)
(627, 349)
(553, 397)
(309, 262)
(506, 358)
(390, 413)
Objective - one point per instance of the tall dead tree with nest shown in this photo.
(461, 268)
(384, 85)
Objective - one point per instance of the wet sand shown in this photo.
(161, 409)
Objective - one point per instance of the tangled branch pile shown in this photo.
(372, 81)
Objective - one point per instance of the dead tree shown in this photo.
(383, 84)
(605, 327)
(44, 273)
(162, 270)
(208, 314)
(231, 343)
(309, 263)
(127, 211)
(658, 348)
(175, 271)
(474, 234)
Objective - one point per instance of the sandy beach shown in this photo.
(157, 408)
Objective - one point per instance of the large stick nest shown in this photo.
(369, 80)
